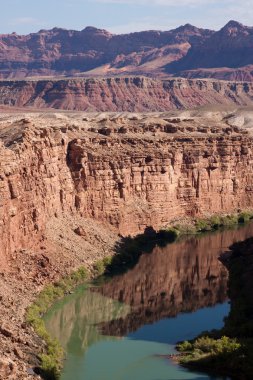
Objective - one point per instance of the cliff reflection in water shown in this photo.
(73, 321)
(181, 277)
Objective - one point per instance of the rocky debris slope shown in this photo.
(71, 182)
(61, 250)
(134, 94)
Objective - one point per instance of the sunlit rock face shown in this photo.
(128, 172)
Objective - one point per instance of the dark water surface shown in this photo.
(126, 328)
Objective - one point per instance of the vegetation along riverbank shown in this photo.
(128, 251)
(229, 351)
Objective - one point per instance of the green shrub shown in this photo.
(205, 346)
(184, 346)
(229, 220)
(99, 267)
(185, 229)
(215, 222)
(80, 275)
(202, 225)
(107, 261)
(245, 217)
(226, 345)
(50, 367)
(216, 346)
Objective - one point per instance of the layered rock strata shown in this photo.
(133, 94)
(71, 182)
(127, 173)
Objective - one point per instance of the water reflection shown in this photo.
(181, 277)
(130, 317)
(73, 321)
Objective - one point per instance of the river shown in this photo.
(126, 328)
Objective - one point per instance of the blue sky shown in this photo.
(121, 16)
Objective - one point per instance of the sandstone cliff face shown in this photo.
(124, 172)
(124, 94)
(71, 182)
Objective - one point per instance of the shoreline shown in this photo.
(52, 359)
(229, 350)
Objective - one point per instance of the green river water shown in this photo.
(126, 328)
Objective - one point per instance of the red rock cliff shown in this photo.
(133, 94)
(129, 172)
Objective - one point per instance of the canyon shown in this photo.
(104, 137)
(94, 70)
(129, 172)
(72, 184)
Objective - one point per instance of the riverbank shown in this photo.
(229, 351)
(127, 253)
(21, 347)
(29, 272)
(72, 182)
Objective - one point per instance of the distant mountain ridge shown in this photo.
(186, 51)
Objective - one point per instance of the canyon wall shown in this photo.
(124, 94)
(126, 172)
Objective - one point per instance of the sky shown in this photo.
(121, 16)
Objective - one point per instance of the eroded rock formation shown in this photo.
(124, 172)
(133, 94)
(71, 182)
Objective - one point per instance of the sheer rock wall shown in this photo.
(120, 171)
